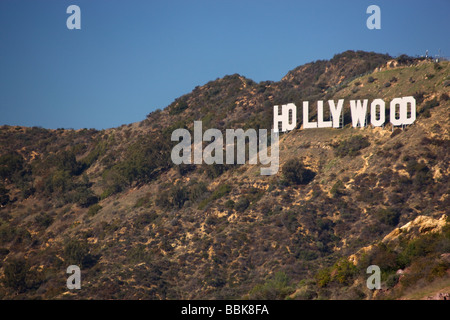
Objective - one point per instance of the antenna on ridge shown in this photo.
(438, 57)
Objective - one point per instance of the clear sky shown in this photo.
(132, 57)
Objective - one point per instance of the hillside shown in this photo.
(140, 227)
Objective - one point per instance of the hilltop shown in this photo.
(140, 227)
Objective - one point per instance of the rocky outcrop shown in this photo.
(440, 296)
(420, 225)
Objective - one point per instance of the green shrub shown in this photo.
(4, 195)
(419, 247)
(430, 104)
(306, 254)
(179, 107)
(66, 161)
(143, 202)
(389, 216)
(77, 253)
(338, 189)
(145, 219)
(144, 160)
(115, 182)
(222, 190)
(229, 204)
(3, 253)
(437, 66)
(439, 270)
(17, 275)
(290, 221)
(61, 181)
(179, 196)
(420, 173)
(384, 257)
(197, 190)
(276, 288)
(215, 170)
(392, 280)
(242, 204)
(404, 59)
(84, 196)
(422, 179)
(211, 220)
(344, 271)
(163, 200)
(97, 152)
(44, 220)
(10, 163)
(183, 169)
(17, 235)
(94, 209)
(138, 254)
(323, 277)
(295, 172)
(419, 96)
(351, 146)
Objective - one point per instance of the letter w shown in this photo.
(359, 112)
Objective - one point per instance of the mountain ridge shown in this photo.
(140, 227)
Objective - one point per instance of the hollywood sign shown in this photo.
(402, 112)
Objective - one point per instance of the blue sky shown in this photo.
(132, 57)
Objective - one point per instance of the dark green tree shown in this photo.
(295, 172)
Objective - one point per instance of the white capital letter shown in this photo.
(306, 123)
(358, 112)
(393, 111)
(403, 118)
(320, 122)
(336, 111)
(412, 102)
(373, 112)
(284, 117)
